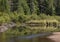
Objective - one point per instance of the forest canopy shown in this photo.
(20, 12)
(48, 7)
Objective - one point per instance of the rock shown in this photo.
(9, 25)
(6, 26)
(3, 28)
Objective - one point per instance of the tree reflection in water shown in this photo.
(37, 39)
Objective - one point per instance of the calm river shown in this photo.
(37, 39)
(31, 38)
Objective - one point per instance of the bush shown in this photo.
(4, 18)
(34, 17)
(57, 18)
(43, 16)
(14, 17)
(23, 18)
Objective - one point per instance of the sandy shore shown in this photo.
(55, 37)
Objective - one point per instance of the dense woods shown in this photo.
(49, 7)
(44, 16)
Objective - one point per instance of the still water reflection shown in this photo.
(37, 39)
(34, 39)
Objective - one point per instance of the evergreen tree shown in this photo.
(58, 7)
(2, 5)
(25, 7)
(20, 8)
(7, 6)
(33, 5)
(51, 7)
(40, 5)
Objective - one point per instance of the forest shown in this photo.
(22, 11)
(48, 7)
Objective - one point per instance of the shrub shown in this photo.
(34, 17)
(14, 17)
(4, 18)
(23, 18)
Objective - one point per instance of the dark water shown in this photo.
(32, 38)
(38, 39)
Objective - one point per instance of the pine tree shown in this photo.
(51, 7)
(20, 8)
(2, 5)
(33, 5)
(58, 7)
(25, 7)
(7, 6)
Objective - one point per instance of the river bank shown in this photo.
(55, 37)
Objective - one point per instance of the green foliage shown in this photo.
(4, 6)
(22, 18)
(29, 10)
(34, 17)
(57, 18)
(13, 16)
(4, 18)
(50, 7)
